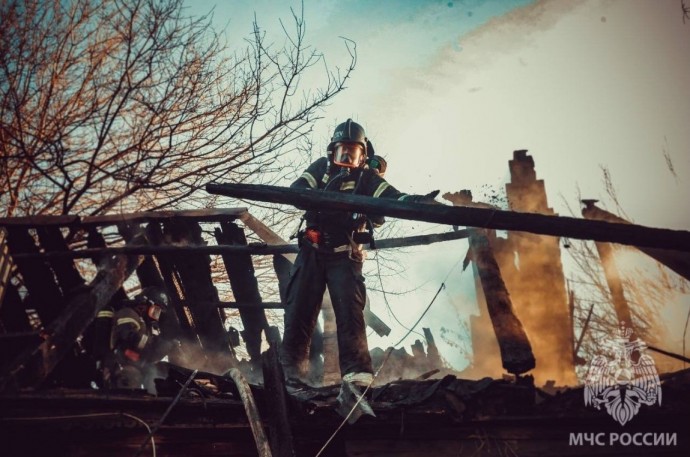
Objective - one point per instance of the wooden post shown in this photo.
(516, 350)
(276, 400)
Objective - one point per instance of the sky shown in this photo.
(446, 90)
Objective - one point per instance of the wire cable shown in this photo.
(85, 416)
(385, 359)
(165, 414)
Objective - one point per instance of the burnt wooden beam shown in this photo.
(201, 215)
(673, 355)
(275, 401)
(162, 249)
(516, 350)
(198, 215)
(270, 249)
(36, 221)
(59, 336)
(676, 261)
(635, 235)
(262, 446)
(585, 326)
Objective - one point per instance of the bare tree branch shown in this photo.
(131, 105)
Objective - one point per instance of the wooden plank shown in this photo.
(245, 288)
(676, 261)
(199, 215)
(36, 221)
(635, 235)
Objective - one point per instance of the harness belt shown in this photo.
(318, 240)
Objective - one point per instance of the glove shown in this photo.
(428, 198)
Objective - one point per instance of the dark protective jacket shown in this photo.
(339, 269)
(360, 181)
(136, 339)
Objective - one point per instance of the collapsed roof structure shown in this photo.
(47, 305)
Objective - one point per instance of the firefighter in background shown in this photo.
(331, 254)
(137, 343)
(101, 350)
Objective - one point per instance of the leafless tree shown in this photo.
(130, 104)
(646, 293)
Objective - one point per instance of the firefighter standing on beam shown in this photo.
(331, 254)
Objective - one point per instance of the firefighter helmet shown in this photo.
(152, 301)
(348, 132)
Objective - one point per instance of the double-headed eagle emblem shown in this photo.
(620, 383)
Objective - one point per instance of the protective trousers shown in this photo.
(311, 273)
